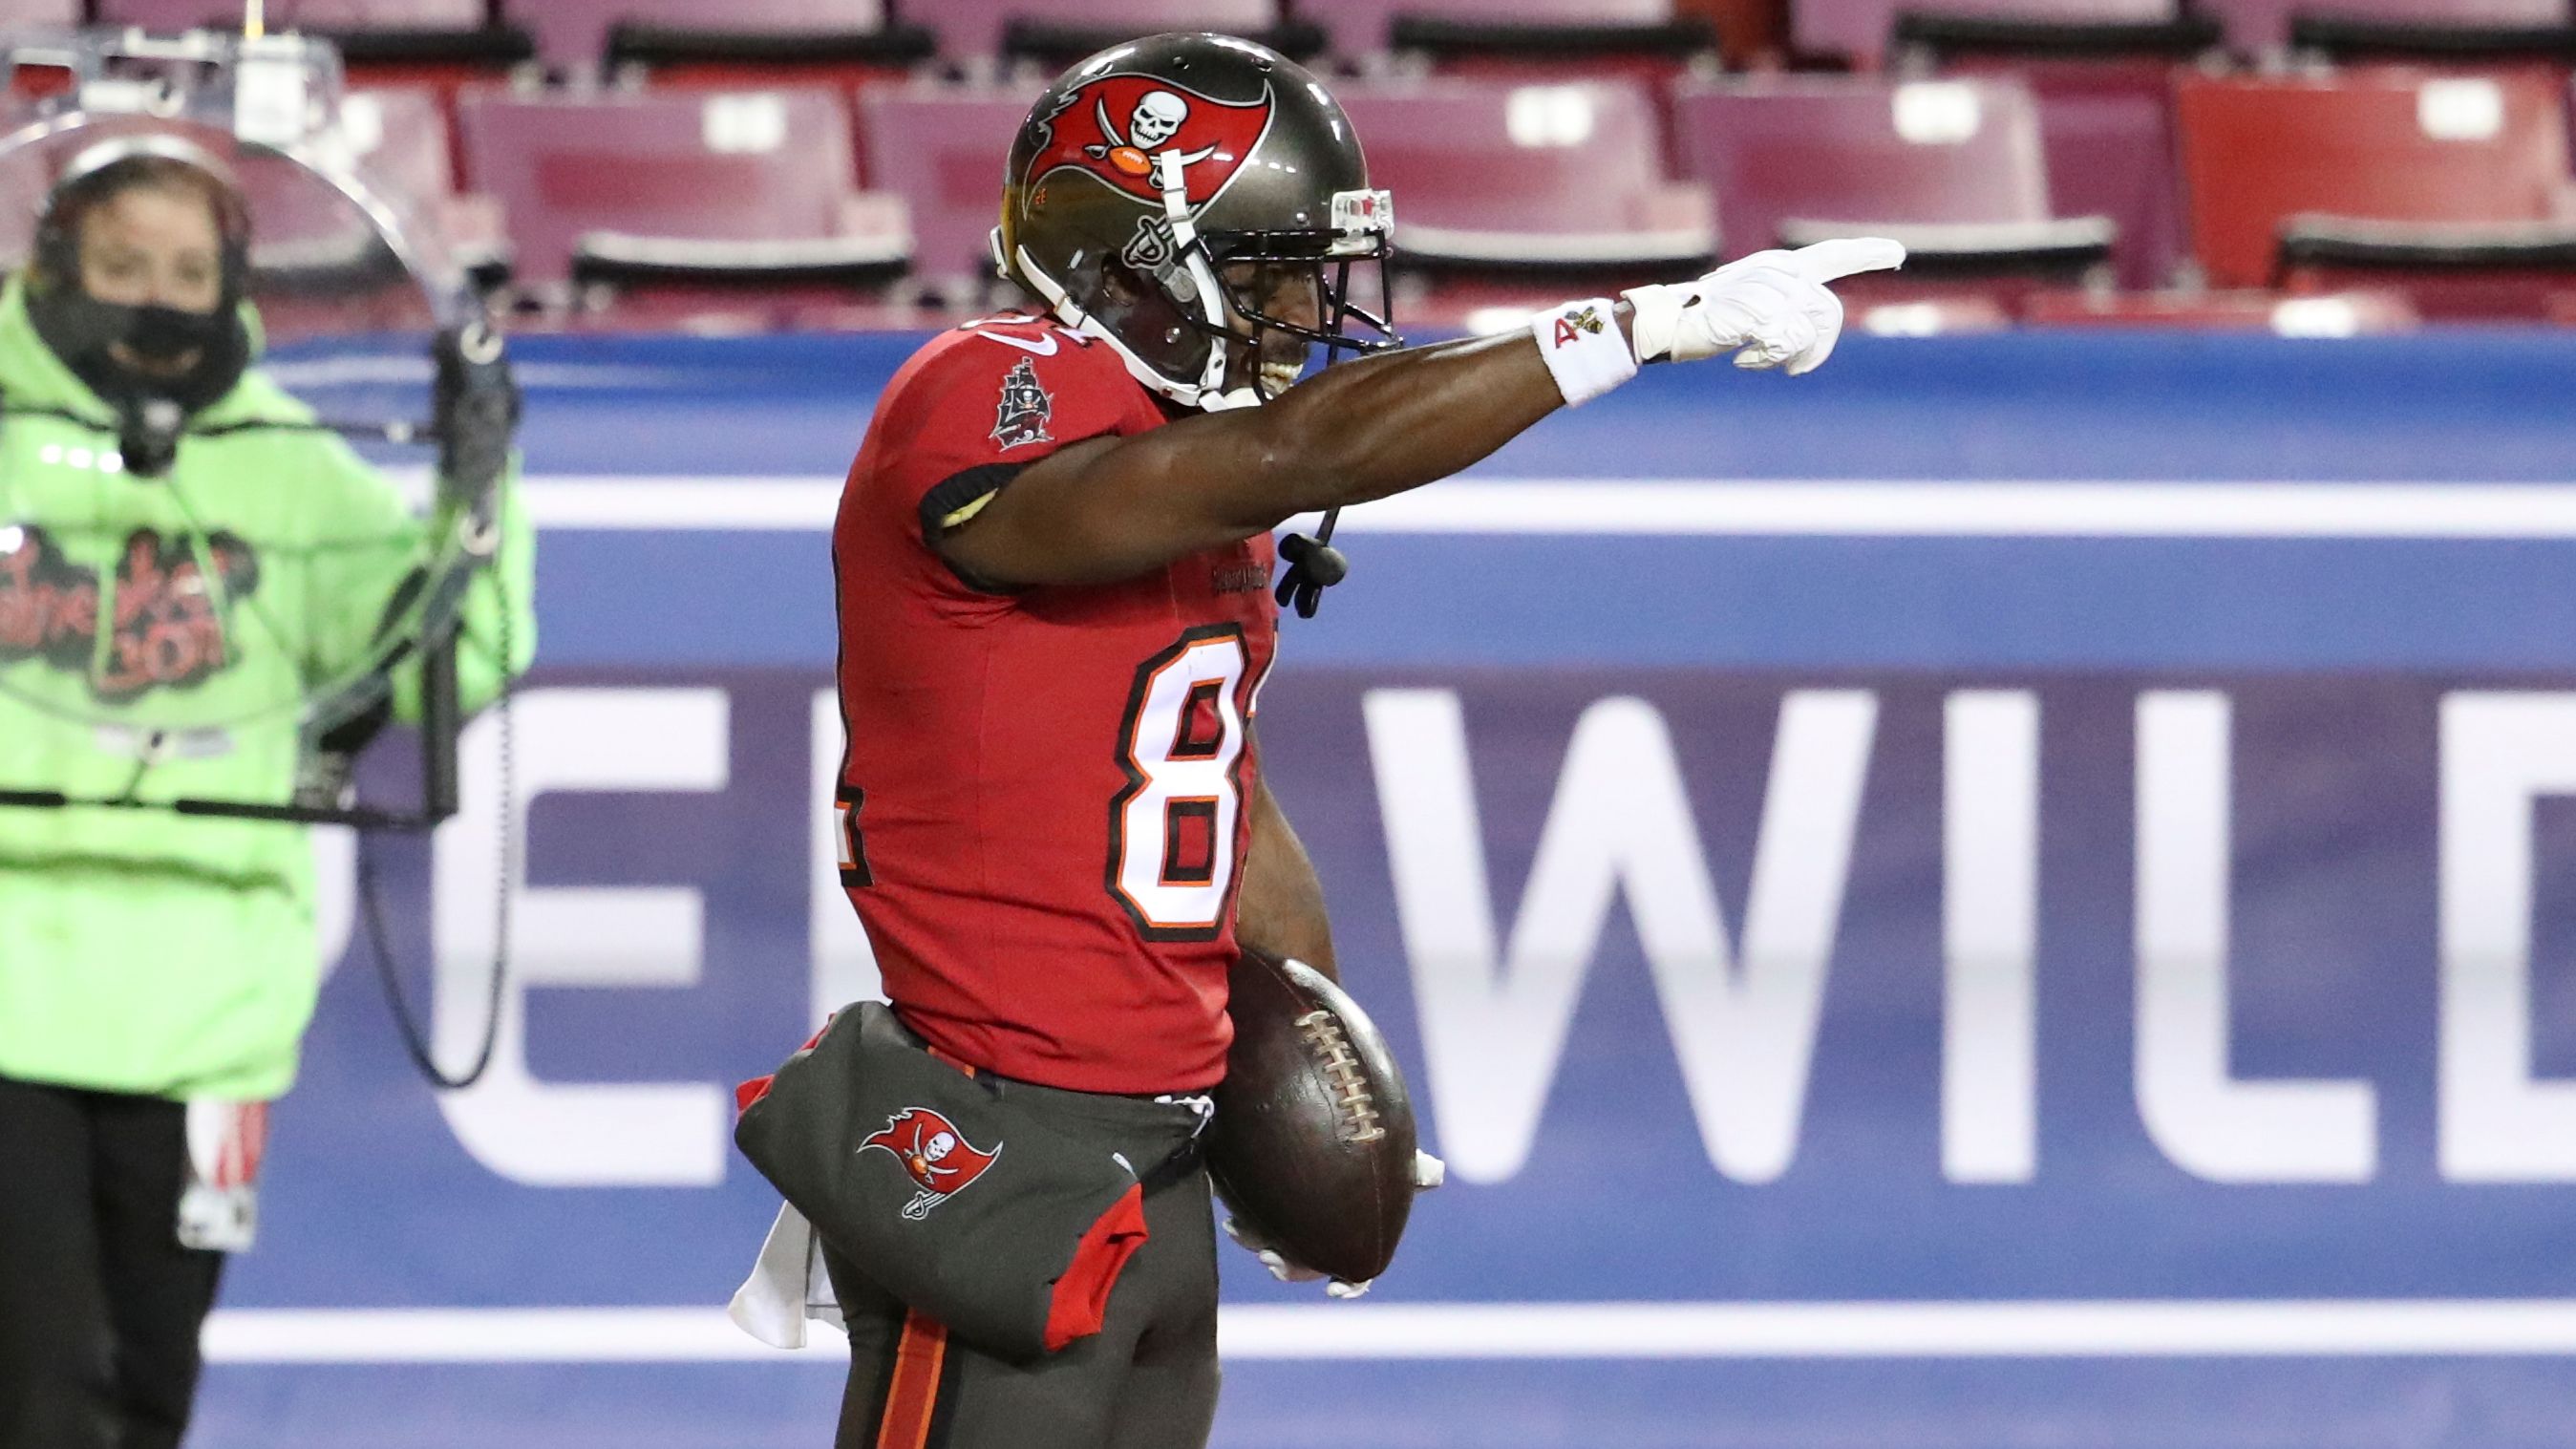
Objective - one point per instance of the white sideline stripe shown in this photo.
(2363, 1328)
(1751, 508)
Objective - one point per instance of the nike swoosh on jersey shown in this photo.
(1025, 346)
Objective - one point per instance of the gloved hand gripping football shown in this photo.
(1772, 309)
(1428, 1172)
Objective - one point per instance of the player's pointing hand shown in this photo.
(1771, 309)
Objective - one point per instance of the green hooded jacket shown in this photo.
(143, 951)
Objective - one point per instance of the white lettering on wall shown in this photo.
(2204, 1119)
(566, 1135)
(1990, 936)
(1494, 1024)
(2500, 752)
(841, 964)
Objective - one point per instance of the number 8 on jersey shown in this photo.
(1172, 829)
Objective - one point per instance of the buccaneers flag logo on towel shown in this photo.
(934, 1154)
(1120, 126)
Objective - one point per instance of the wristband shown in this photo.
(1584, 352)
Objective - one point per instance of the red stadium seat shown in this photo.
(942, 149)
(1863, 31)
(2101, 70)
(1750, 33)
(2462, 28)
(740, 42)
(1952, 168)
(34, 78)
(1539, 182)
(439, 43)
(2107, 128)
(681, 195)
(298, 14)
(1053, 35)
(401, 139)
(2395, 175)
(1566, 38)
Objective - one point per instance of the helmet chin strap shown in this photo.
(1170, 179)
(1209, 393)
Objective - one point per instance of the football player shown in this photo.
(1053, 565)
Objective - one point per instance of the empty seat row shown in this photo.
(1866, 31)
(574, 34)
(2283, 178)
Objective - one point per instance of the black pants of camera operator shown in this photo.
(99, 1305)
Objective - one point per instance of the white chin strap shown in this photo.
(1209, 393)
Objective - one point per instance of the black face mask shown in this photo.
(82, 331)
(152, 406)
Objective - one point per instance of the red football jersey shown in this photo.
(1043, 800)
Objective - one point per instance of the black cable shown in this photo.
(415, 1039)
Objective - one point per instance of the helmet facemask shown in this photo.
(1177, 302)
(1228, 285)
(1293, 295)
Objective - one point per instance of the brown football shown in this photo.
(1313, 1140)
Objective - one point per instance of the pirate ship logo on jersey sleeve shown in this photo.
(1126, 129)
(166, 627)
(1021, 416)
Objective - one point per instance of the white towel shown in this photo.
(219, 1206)
(787, 1286)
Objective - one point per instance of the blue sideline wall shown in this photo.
(1892, 959)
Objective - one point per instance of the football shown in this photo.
(1313, 1141)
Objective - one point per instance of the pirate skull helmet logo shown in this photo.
(1154, 120)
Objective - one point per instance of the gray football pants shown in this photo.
(1147, 1380)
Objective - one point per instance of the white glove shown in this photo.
(1428, 1172)
(1773, 305)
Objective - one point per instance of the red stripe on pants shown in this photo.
(914, 1394)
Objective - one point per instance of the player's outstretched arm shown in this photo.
(1112, 508)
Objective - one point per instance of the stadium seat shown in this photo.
(1953, 168)
(941, 148)
(680, 194)
(1566, 37)
(2102, 73)
(739, 42)
(2428, 181)
(400, 137)
(1750, 33)
(2106, 127)
(1049, 37)
(38, 14)
(440, 43)
(33, 78)
(1540, 181)
(1863, 32)
(299, 14)
(2427, 29)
